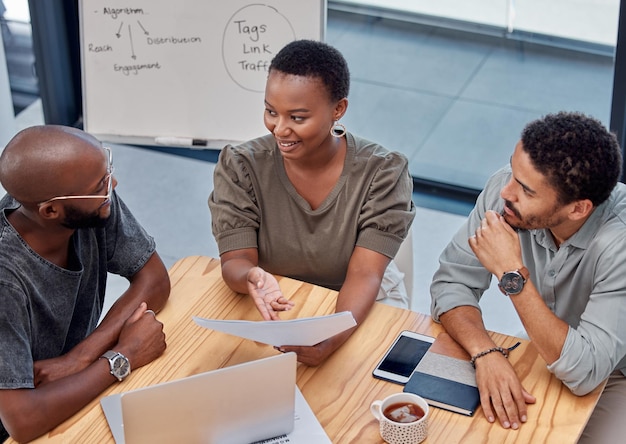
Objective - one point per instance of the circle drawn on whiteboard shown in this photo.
(252, 37)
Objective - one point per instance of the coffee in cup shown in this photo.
(403, 412)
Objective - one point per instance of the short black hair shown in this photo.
(310, 58)
(580, 158)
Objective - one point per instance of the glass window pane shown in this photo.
(18, 48)
(449, 86)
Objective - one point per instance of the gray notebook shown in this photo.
(243, 403)
(445, 377)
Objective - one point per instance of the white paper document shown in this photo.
(306, 427)
(303, 331)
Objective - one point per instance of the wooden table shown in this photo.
(341, 390)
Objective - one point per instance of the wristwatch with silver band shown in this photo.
(118, 363)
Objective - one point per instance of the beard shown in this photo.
(76, 219)
(533, 221)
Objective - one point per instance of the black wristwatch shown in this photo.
(512, 282)
(119, 364)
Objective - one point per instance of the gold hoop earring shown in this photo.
(338, 129)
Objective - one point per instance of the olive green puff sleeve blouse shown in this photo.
(254, 205)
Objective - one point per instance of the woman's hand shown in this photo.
(309, 355)
(264, 289)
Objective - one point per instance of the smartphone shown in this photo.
(402, 357)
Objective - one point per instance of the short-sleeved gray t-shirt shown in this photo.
(46, 310)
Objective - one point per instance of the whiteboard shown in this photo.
(188, 72)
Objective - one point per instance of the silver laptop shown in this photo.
(243, 403)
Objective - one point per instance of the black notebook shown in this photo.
(445, 378)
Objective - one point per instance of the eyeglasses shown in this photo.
(108, 178)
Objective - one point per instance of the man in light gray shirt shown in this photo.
(551, 228)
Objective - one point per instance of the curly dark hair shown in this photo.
(580, 158)
(310, 58)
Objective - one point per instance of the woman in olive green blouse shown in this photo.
(310, 200)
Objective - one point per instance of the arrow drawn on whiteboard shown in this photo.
(132, 47)
(118, 33)
(144, 29)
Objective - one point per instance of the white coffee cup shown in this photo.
(401, 432)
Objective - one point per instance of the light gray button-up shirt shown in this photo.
(583, 282)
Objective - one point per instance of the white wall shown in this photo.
(592, 21)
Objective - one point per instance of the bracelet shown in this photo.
(504, 351)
